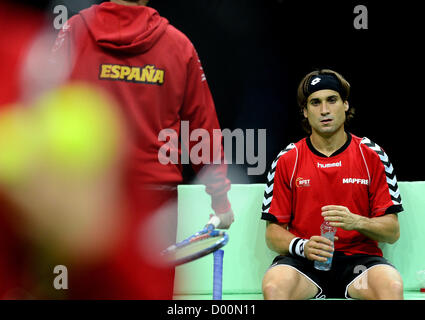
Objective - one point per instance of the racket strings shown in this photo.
(194, 247)
(200, 244)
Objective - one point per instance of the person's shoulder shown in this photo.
(177, 34)
(355, 139)
(372, 150)
(290, 152)
(367, 144)
(178, 37)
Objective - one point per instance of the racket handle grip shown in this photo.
(214, 220)
(218, 274)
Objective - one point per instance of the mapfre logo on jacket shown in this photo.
(147, 74)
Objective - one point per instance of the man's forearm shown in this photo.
(278, 238)
(381, 229)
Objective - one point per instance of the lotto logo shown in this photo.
(301, 182)
(315, 81)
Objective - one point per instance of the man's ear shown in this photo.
(305, 112)
(347, 106)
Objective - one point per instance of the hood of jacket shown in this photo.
(129, 29)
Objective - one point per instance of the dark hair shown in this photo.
(302, 95)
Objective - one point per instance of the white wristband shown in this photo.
(296, 247)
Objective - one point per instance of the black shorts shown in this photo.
(335, 282)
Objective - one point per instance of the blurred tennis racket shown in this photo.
(198, 245)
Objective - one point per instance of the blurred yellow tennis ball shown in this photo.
(79, 127)
(75, 130)
(17, 144)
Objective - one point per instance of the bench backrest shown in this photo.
(247, 257)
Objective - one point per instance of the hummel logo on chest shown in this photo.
(329, 165)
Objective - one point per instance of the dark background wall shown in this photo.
(254, 54)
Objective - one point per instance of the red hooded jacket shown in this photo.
(155, 73)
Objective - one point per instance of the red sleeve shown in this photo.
(277, 201)
(384, 194)
(206, 151)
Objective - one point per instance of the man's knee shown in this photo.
(383, 283)
(391, 284)
(393, 291)
(284, 283)
(279, 281)
(273, 291)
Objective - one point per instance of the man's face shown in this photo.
(325, 112)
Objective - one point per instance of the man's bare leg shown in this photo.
(283, 282)
(381, 282)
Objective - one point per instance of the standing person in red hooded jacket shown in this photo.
(154, 71)
(29, 252)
